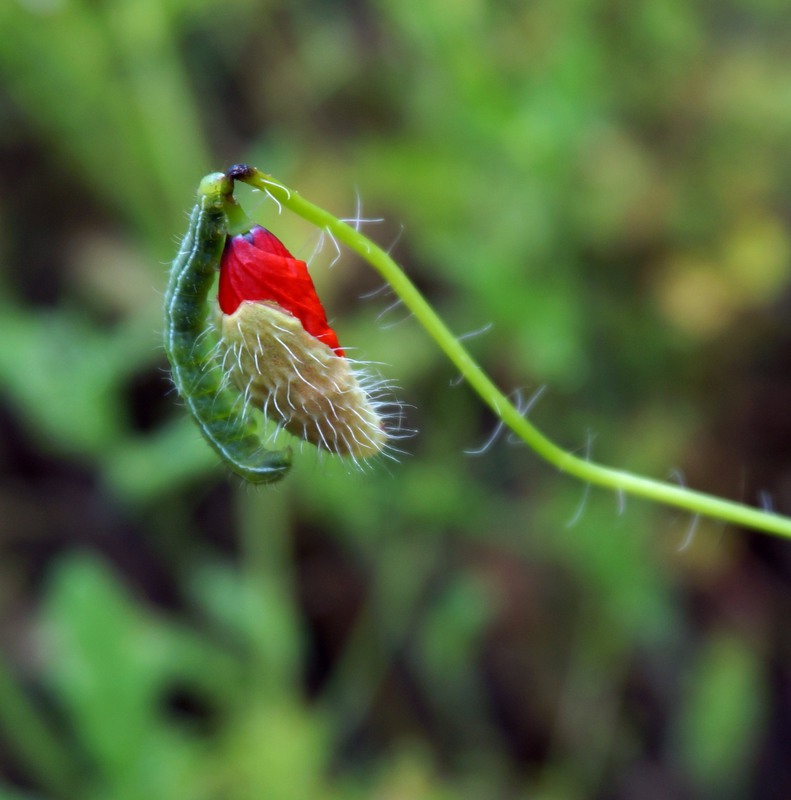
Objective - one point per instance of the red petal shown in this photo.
(256, 266)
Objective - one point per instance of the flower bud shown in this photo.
(280, 351)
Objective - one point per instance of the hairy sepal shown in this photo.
(298, 380)
(220, 417)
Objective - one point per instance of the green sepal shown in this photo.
(219, 412)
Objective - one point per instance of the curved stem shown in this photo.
(608, 477)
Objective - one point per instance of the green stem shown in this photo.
(608, 477)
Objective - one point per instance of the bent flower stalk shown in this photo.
(281, 355)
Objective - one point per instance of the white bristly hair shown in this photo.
(338, 404)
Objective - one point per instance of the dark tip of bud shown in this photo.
(239, 172)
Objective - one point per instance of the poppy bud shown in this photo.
(280, 351)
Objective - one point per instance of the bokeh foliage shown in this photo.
(606, 183)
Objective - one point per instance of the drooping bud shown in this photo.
(280, 351)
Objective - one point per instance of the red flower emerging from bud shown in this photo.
(255, 266)
(280, 352)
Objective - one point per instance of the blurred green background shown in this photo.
(607, 184)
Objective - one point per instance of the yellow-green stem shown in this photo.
(608, 477)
